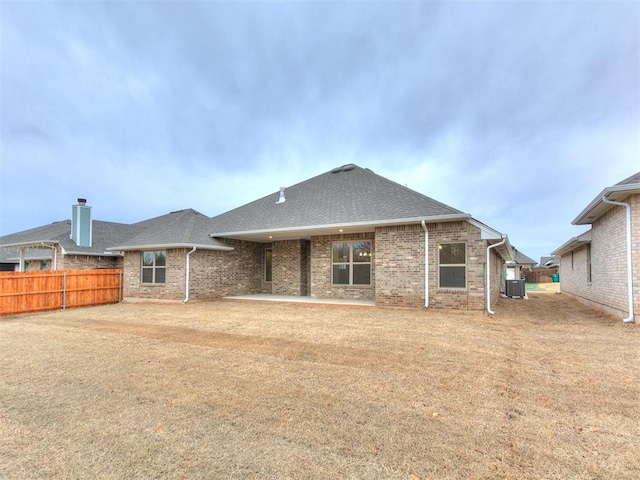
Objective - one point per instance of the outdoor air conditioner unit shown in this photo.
(515, 288)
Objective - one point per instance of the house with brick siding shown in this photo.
(345, 234)
(76, 244)
(601, 267)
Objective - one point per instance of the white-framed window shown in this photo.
(588, 262)
(268, 265)
(452, 265)
(154, 266)
(351, 263)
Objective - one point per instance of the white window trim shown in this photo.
(351, 263)
(457, 265)
(152, 267)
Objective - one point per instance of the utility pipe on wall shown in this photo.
(488, 282)
(627, 207)
(426, 264)
(186, 277)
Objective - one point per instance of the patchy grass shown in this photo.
(544, 389)
(542, 287)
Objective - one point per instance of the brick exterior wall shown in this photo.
(471, 298)
(85, 262)
(290, 267)
(321, 266)
(608, 287)
(634, 201)
(497, 276)
(399, 266)
(36, 265)
(212, 273)
(303, 267)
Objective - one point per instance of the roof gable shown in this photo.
(344, 196)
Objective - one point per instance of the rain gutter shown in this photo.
(186, 279)
(627, 207)
(488, 282)
(426, 264)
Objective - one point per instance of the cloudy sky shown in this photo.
(519, 113)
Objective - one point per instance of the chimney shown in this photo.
(281, 199)
(81, 224)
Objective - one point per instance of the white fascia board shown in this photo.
(486, 232)
(627, 189)
(96, 254)
(39, 243)
(371, 223)
(573, 243)
(170, 245)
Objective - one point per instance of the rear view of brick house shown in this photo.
(345, 234)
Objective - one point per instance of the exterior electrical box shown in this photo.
(515, 288)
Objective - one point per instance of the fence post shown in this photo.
(64, 290)
(120, 287)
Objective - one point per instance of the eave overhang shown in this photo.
(38, 243)
(597, 207)
(573, 243)
(306, 232)
(166, 246)
(506, 251)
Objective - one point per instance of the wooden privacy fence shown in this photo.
(539, 275)
(24, 292)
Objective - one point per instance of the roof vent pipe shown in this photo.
(281, 199)
(627, 207)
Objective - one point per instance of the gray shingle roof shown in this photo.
(183, 228)
(632, 180)
(522, 259)
(104, 233)
(347, 195)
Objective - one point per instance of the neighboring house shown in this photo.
(33, 259)
(550, 262)
(601, 267)
(79, 243)
(521, 267)
(345, 234)
(544, 272)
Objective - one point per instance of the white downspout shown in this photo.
(488, 282)
(186, 279)
(21, 264)
(426, 264)
(627, 207)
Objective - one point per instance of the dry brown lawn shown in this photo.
(544, 389)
